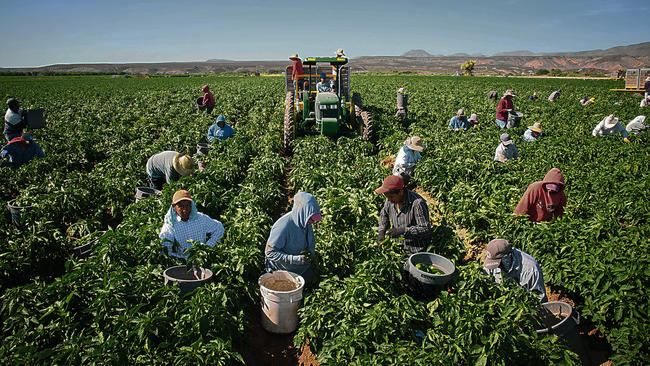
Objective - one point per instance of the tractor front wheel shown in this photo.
(289, 122)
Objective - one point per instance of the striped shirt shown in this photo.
(201, 228)
(413, 216)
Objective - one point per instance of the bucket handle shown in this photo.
(576, 316)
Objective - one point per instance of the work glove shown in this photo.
(396, 232)
(626, 140)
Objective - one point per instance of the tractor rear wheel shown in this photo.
(368, 126)
(289, 122)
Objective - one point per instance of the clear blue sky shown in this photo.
(44, 32)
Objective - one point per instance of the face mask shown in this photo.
(506, 262)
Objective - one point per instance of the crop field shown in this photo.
(113, 307)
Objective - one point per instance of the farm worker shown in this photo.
(492, 94)
(15, 120)
(533, 97)
(220, 130)
(20, 150)
(291, 244)
(184, 224)
(503, 108)
(545, 199)
(402, 104)
(167, 166)
(646, 86)
(407, 213)
(208, 99)
(473, 120)
(636, 125)
(297, 70)
(502, 260)
(533, 133)
(506, 149)
(408, 155)
(554, 95)
(587, 100)
(322, 85)
(610, 124)
(458, 121)
(338, 54)
(645, 102)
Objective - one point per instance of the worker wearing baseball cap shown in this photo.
(506, 149)
(407, 213)
(167, 166)
(545, 199)
(459, 121)
(323, 86)
(291, 245)
(185, 224)
(502, 260)
(408, 155)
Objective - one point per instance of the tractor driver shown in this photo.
(322, 85)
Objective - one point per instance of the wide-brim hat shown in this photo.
(509, 93)
(496, 249)
(535, 127)
(183, 164)
(295, 55)
(611, 121)
(414, 143)
(339, 52)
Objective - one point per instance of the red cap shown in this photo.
(391, 182)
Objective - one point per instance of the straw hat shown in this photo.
(510, 93)
(535, 127)
(400, 90)
(414, 143)
(610, 121)
(339, 52)
(183, 164)
(295, 55)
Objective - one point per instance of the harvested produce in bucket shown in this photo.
(550, 318)
(280, 284)
(429, 269)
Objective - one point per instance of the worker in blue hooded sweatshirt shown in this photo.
(291, 244)
(220, 130)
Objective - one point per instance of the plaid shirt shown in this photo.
(195, 229)
(413, 216)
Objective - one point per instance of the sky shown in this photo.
(46, 32)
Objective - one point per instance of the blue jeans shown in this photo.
(500, 123)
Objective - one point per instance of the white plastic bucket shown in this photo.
(281, 296)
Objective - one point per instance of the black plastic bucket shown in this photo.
(199, 103)
(514, 119)
(563, 323)
(15, 211)
(144, 192)
(187, 279)
(84, 251)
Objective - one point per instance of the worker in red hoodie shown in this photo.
(208, 99)
(544, 200)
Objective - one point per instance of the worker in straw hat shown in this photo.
(409, 154)
(504, 261)
(291, 245)
(167, 166)
(184, 224)
(338, 54)
(504, 107)
(506, 149)
(15, 120)
(459, 121)
(297, 71)
(609, 125)
(407, 214)
(533, 133)
(545, 199)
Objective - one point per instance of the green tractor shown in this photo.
(330, 113)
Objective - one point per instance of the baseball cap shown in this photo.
(496, 249)
(181, 195)
(391, 182)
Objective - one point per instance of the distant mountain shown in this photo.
(417, 53)
(477, 55)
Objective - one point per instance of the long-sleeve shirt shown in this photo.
(216, 132)
(528, 136)
(538, 203)
(297, 70)
(19, 152)
(14, 122)
(413, 216)
(601, 130)
(502, 109)
(162, 165)
(504, 153)
(456, 123)
(636, 125)
(322, 87)
(526, 271)
(406, 158)
(176, 233)
(554, 95)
